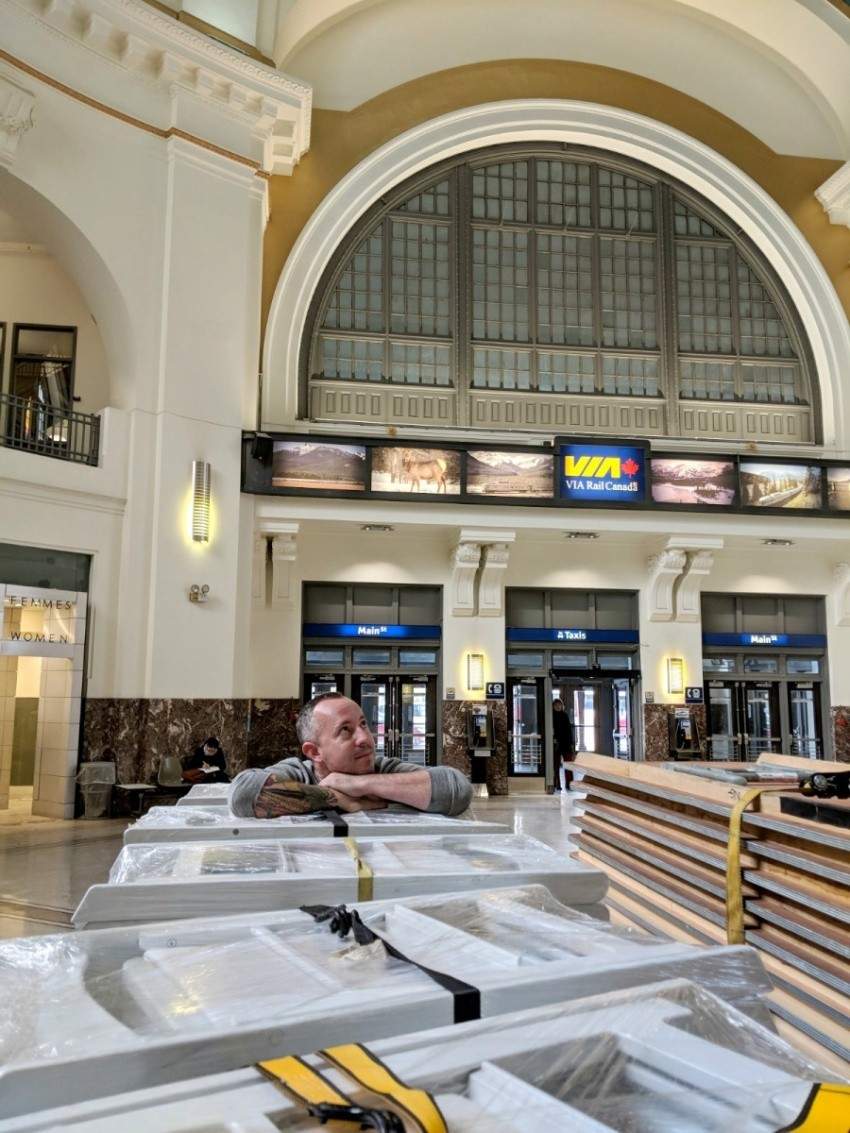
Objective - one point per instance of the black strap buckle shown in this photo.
(827, 785)
(382, 1120)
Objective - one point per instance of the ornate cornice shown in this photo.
(16, 117)
(834, 195)
(172, 59)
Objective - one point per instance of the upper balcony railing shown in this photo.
(34, 426)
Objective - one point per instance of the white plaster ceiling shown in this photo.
(780, 68)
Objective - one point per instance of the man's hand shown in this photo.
(354, 786)
(280, 797)
(412, 788)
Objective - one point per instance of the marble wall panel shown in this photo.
(841, 732)
(456, 753)
(656, 741)
(271, 731)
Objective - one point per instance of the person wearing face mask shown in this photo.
(340, 770)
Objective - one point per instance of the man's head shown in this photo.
(333, 733)
(211, 746)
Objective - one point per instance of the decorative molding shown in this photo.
(164, 53)
(834, 195)
(664, 572)
(490, 587)
(841, 594)
(465, 561)
(258, 571)
(688, 593)
(284, 554)
(606, 128)
(16, 117)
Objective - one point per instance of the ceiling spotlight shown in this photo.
(581, 535)
(377, 528)
(778, 542)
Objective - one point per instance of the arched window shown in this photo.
(556, 289)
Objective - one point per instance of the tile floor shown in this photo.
(46, 865)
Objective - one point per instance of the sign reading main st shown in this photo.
(602, 473)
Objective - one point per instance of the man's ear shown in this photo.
(309, 750)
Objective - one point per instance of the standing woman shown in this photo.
(564, 743)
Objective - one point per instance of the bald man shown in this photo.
(340, 770)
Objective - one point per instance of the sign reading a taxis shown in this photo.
(605, 474)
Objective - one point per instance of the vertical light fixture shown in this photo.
(675, 676)
(200, 501)
(475, 672)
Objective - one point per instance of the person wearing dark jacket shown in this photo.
(207, 764)
(564, 743)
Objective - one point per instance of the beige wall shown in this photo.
(341, 139)
(35, 289)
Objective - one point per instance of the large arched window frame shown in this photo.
(646, 311)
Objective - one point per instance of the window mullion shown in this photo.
(387, 273)
(736, 321)
(596, 276)
(462, 298)
(668, 338)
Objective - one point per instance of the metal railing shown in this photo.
(31, 425)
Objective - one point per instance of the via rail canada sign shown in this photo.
(603, 473)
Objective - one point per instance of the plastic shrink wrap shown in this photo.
(87, 1013)
(665, 1058)
(192, 879)
(215, 823)
(206, 794)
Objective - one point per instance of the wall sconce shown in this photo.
(198, 593)
(475, 672)
(200, 501)
(675, 676)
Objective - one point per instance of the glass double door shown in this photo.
(601, 714)
(747, 719)
(401, 712)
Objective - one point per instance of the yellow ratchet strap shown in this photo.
(827, 1110)
(734, 893)
(305, 1084)
(359, 1064)
(364, 873)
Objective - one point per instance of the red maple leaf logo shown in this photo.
(630, 467)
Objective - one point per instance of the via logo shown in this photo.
(597, 467)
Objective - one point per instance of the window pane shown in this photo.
(417, 364)
(500, 192)
(688, 222)
(777, 384)
(708, 381)
(371, 656)
(419, 279)
(761, 664)
(323, 656)
(625, 203)
(45, 342)
(357, 301)
(616, 611)
(614, 660)
(500, 285)
(565, 289)
(802, 665)
(501, 369)
(704, 298)
(762, 329)
(435, 201)
(570, 661)
(417, 657)
(630, 376)
(352, 358)
(719, 664)
(628, 281)
(566, 373)
(525, 660)
(563, 193)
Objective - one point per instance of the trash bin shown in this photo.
(96, 781)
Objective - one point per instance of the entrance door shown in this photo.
(601, 713)
(525, 731)
(401, 712)
(743, 719)
(804, 719)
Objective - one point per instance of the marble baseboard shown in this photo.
(140, 732)
(841, 732)
(656, 738)
(456, 753)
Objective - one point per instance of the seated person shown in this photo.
(207, 764)
(340, 771)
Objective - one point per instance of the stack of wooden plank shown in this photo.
(661, 833)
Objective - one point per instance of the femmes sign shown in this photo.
(50, 633)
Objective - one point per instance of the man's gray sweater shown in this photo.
(451, 791)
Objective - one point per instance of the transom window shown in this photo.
(560, 277)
